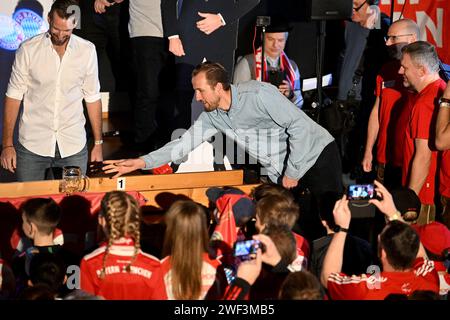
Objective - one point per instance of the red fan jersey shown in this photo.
(393, 114)
(21, 243)
(301, 262)
(209, 275)
(422, 118)
(376, 287)
(139, 283)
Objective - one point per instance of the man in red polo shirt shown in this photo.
(390, 112)
(404, 268)
(420, 70)
(443, 143)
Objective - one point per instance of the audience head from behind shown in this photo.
(242, 206)
(267, 189)
(284, 241)
(38, 292)
(81, 295)
(120, 219)
(419, 65)
(48, 269)
(398, 246)
(401, 33)
(40, 216)
(301, 285)
(424, 295)
(185, 242)
(276, 209)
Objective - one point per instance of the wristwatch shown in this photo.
(444, 102)
(338, 228)
(395, 216)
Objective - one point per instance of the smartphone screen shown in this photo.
(361, 192)
(246, 248)
(276, 77)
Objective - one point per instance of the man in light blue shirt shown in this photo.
(286, 142)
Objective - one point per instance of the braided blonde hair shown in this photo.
(123, 219)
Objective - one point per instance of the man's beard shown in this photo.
(211, 106)
(59, 42)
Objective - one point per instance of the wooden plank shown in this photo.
(132, 183)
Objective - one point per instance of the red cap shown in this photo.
(434, 236)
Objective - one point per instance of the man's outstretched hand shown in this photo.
(123, 166)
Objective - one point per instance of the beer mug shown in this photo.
(73, 180)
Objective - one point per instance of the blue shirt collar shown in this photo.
(234, 99)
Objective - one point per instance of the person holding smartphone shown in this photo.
(405, 267)
(281, 71)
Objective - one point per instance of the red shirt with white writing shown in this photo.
(140, 283)
(423, 276)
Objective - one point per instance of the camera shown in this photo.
(361, 192)
(276, 77)
(262, 21)
(246, 250)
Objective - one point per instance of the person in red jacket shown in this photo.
(119, 269)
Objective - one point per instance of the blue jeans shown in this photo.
(33, 167)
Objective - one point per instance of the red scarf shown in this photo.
(285, 64)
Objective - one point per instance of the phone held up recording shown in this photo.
(246, 250)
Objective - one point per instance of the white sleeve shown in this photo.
(19, 79)
(91, 84)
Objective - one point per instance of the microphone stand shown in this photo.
(319, 64)
(263, 22)
(263, 58)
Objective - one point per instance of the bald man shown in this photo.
(390, 112)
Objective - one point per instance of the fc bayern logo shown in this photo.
(11, 33)
(31, 23)
(23, 25)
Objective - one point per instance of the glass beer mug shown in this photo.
(73, 180)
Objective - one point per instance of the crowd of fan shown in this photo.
(198, 259)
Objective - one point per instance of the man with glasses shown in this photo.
(363, 14)
(390, 111)
(52, 73)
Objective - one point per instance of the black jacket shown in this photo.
(219, 46)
